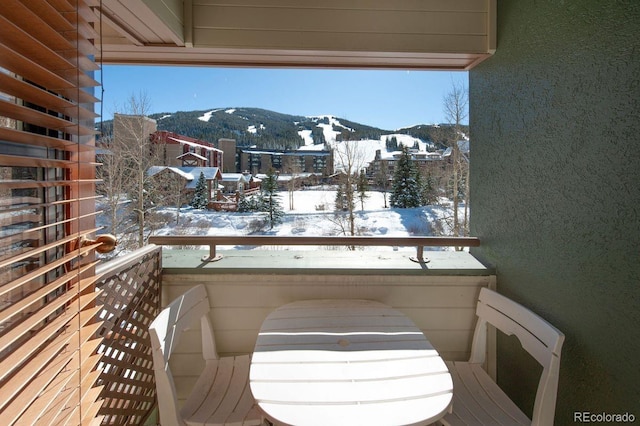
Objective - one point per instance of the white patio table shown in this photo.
(347, 362)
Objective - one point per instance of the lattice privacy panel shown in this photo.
(130, 301)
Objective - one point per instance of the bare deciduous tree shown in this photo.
(351, 157)
(113, 175)
(382, 179)
(293, 168)
(168, 189)
(363, 187)
(455, 108)
(131, 142)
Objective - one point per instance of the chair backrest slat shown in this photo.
(542, 340)
(178, 316)
(165, 332)
(537, 336)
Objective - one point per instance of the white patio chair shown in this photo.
(477, 399)
(221, 395)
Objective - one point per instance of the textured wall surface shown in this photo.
(555, 124)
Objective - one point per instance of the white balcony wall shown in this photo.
(441, 304)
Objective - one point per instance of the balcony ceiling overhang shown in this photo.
(384, 34)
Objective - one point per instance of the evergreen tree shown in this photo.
(362, 187)
(270, 199)
(250, 204)
(200, 198)
(405, 192)
(391, 144)
(429, 192)
(421, 188)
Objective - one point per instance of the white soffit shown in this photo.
(405, 34)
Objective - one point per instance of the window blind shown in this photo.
(48, 356)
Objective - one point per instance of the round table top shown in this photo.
(347, 362)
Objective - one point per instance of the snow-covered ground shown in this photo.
(312, 215)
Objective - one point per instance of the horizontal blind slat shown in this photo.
(55, 396)
(15, 284)
(24, 161)
(34, 357)
(49, 246)
(20, 218)
(30, 115)
(64, 7)
(39, 294)
(85, 12)
(66, 412)
(41, 369)
(71, 415)
(45, 49)
(24, 236)
(84, 39)
(88, 408)
(49, 14)
(45, 367)
(24, 43)
(9, 201)
(25, 67)
(16, 11)
(31, 323)
(91, 410)
(34, 139)
(18, 40)
(33, 94)
(21, 184)
(30, 70)
(33, 203)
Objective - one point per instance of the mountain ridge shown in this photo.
(264, 128)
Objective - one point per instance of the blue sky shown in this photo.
(385, 99)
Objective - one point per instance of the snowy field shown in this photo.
(312, 215)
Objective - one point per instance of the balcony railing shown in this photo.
(249, 282)
(131, 296)
(264, 240)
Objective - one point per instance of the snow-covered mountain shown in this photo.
(268, 129)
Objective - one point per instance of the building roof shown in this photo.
(194, 144)
(463, 146)
(415, 155)
(285, 177)
(294, 153)
(154, 170)
(209, 172)
(191, 174)
(192, 154)
(236, 177)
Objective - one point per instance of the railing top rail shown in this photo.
(266, 240)
(123, 262)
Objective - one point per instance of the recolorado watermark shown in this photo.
(589, 417)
